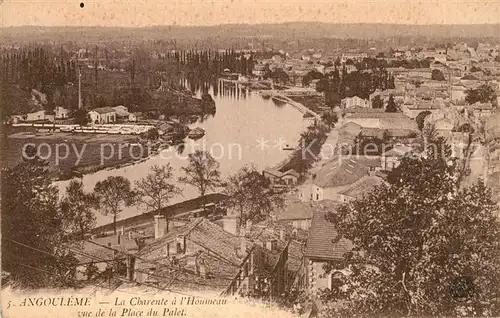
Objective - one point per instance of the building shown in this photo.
(102, 115)
(360, 188)
(334, 176)
(323, 246)
(391, 159)
(61, 113)
(353, 57)
(355, 101)
(121, 112)
(298, 214)
(482, 110)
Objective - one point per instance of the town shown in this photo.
(383, 149)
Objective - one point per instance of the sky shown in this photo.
(135, 13)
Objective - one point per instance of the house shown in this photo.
(391, 159)
(444, 127)
(276, 237)
(61, 112)
(360, 188)
(277, 178)
(101, 251)
(179, 212)
(323, 246)
(102, 115)
(121, 112)
(458, 92)
(355, 101)
(260, 70)
(204, 255)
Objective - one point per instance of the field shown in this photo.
(71, 154)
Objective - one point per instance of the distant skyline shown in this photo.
(112, 13)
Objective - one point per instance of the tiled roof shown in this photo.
(376, 115)
(323, 241)
(103, 110)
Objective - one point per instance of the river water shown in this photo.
(246, 129)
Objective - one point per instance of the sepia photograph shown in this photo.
(250, 158)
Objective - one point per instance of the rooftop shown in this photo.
(323, 241)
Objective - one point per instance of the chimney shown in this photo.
(160, 226)
(271, 245)
(230, 224)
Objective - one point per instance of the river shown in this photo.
(246, 129)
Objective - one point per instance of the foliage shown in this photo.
(420, 119)
(423, 245)
(155, 190)
(114, 193)
(77, 208)
(437, 75)
(391, 105)
(484, 94)
(202, 172)
(251, 194)
(31, 216)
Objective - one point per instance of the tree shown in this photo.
(377, 102)
(437, 75)
(114, 193)
(422, 245)
(330, 118)
(155, 190)
(484, 94)
(251, 195)
(32, 227)
(202, 172)
(391, 105)
(81, 117)
(77, 207)
(420, 119)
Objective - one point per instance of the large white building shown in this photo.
(102, 115)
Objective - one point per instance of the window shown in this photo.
(179, 247)
(317, 196)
